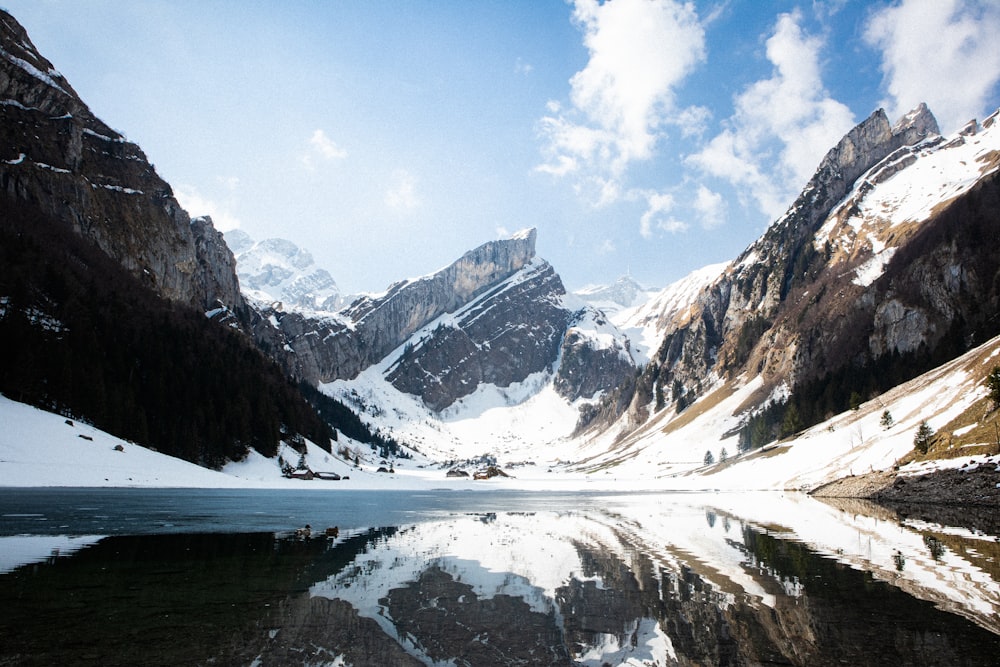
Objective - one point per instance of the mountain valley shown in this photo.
(875, 293)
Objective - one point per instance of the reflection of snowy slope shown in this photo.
(511, 554)
(894, 552)
(652, 646)
(528, 556)
(19, 550)
(551, 559)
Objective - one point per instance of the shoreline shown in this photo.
(977, 483)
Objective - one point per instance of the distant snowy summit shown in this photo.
(624, 293)
(278, 271)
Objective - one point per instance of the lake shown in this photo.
(212, 577)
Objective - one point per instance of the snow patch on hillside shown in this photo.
(644, 324)
(906, 189)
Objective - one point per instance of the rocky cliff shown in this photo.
(877, 272)
(495, 316)
(105, 284)
(515, 330)
(386, 321)
(57, 156)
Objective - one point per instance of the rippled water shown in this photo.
(164, 577)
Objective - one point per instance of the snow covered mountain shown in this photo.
(878, 272)
(278, 271)
(496, 316)
(883, 269)
(621, 295)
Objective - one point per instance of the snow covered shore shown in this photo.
(39, 448)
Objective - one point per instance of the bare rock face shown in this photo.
(511, 332)
(55, 154)
(215, 273)
(322, 349)
(386, 321)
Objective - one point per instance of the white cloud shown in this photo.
(197, 205)
(321, 147)
(942, 52)
(657, 215)
(606, 247)
(782, 126)
(640, 50)
(326, 147)
(710, 207)
(402, 193)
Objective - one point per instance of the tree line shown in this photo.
(82, 337)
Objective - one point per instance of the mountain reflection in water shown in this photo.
(622, 580)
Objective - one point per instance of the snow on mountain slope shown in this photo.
(506, 422)
(671, 447)
(526, 426)
(891, 200)
(623, 294)
(277, 270)
(645, 323)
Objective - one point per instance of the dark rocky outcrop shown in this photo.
(509, 333)
(970, 486)
(387, 321)
(587, 367)
(57, 156)
(505, 320)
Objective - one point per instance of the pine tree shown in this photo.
(791, 423)
(709, 459)
(922, 440)
(886, 421)
(992, 383)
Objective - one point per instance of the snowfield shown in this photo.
(527, 430)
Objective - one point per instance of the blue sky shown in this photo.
(640, 136)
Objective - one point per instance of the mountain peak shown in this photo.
(868, 142)
(919, 120)
(624, 292)
(529, 233)
(277, 269)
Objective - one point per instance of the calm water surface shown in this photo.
(209, 577)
